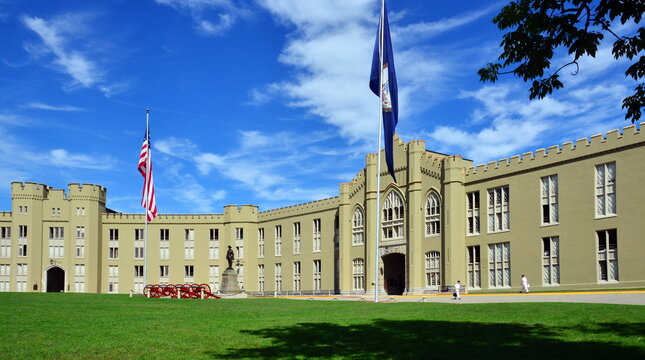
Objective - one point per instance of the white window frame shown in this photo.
(358, 274)
(499, 265)
(278, 277)
(433, 270)
(297, 238)
(261, 242)
(499, 218)
(392, 223)
(473, 205)
(606, 190)
(551, 261)
(549, 200)
(607, 255)
(358, 227)
(317, 275)
(297, 276)
(278, 240)
(317, 238)
(433, 215)
(474, 267)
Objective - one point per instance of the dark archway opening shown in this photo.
(55, 279)
(394, 273)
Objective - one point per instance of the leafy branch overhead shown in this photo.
(536, 28)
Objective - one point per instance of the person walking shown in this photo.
(457, 288)
(525, 284)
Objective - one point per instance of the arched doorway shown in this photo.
(55, 279)
(394, 273)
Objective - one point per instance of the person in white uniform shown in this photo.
(457, 288)
(525, 284)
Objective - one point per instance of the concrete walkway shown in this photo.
(626, 297)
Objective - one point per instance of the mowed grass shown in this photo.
(89, 326)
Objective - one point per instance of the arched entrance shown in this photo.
(55, 279)
(394, 273)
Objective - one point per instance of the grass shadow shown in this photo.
(416, 339)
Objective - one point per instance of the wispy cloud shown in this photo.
(63, 158)
(210, 17)
(64, 37)
(42, 106)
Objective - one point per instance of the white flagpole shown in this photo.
(378, 161)
(147, 186)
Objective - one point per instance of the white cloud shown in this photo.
(62, 158)
(59, 37)
(42, 106)
(211, 17)
(187, 190)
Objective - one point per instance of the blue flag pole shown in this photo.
(378, 161)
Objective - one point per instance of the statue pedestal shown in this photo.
(229, 282)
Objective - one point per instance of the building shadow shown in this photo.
(386, 339)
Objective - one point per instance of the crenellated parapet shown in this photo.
(29, 191)
(6, 215)
(91, 192)
(300, 209)
(583, 147)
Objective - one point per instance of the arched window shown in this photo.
(393, 217)
(359, 274)
(433, 279)
(358, 226)
(433, 215)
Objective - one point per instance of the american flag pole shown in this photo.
(146, 191)
(378, 161)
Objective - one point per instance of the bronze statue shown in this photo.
(230, 256)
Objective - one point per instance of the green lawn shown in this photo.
(88, 326)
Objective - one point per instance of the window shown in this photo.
(138, 278)
(114, 234)
(164, 244)
(22, 240)
(358, 273)
(261, 242)
(79, 278)
(261, 278)
(433, 213)
(317, 275)
(549, 199)
(239, 243)
(5, 242)
(393, 217)
(474, 267)
(138, 244)
(297, 276)
(606, 189)
(80, 211)
(296, 238)
(22, 231)
(498, 215)
(138, 252)
(80, 241)
(56, 242)
(113, 252)
(278, 277)
(113, 279)
(5, 277)
(164, 273)
(316, 237)
(607, 255)
(138, 234)
(240, 276)
(278, 240)
(499, 264)
(189, 274)
(22, 210)
(21, 277)
(550, 260)
(358, 225)
(56, 212)
(213, 244)
(189, 244)
(433, 280)
(472, 212)
(213, 277)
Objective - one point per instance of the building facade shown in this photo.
(567, 217)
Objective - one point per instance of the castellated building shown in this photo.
(568, 217)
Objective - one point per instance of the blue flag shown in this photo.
(386, 79)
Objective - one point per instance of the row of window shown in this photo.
(297, 276)
(23, 210)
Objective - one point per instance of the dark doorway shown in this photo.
(55, 279)
(394, 273)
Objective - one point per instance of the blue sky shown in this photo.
(263, 102)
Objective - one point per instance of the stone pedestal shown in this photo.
(229, 282)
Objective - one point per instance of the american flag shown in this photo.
(145, 168)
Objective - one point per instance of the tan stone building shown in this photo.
(568, 217)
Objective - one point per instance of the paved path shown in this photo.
(633, 297)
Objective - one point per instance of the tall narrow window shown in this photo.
(433, 262)
(278, 277)
(5, 242)
(498, 209)
(213, 277)
(261, 278)
(189, 274)
(164, 273)
(474, 267)
(358, 224)
(138, 243)
(213, 244)
(549, 199)
(297, 275)
(550, 260)
(393, 215)
(80, 241)
(240, 276)
(189, 244)
(113, 279)
(296, 238)
(261, 242)
(278, 240)
(21, 277)
(317, 275)
(5, 277)
(359, 274)
(606, 189)
(164, 244)
(433, 215)
(22, 240)
(138, 278)
(56, 242)
(607, 255)
(239, 242)
(317, 237)
(79, 278)
(472, 212)
(499, 264)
